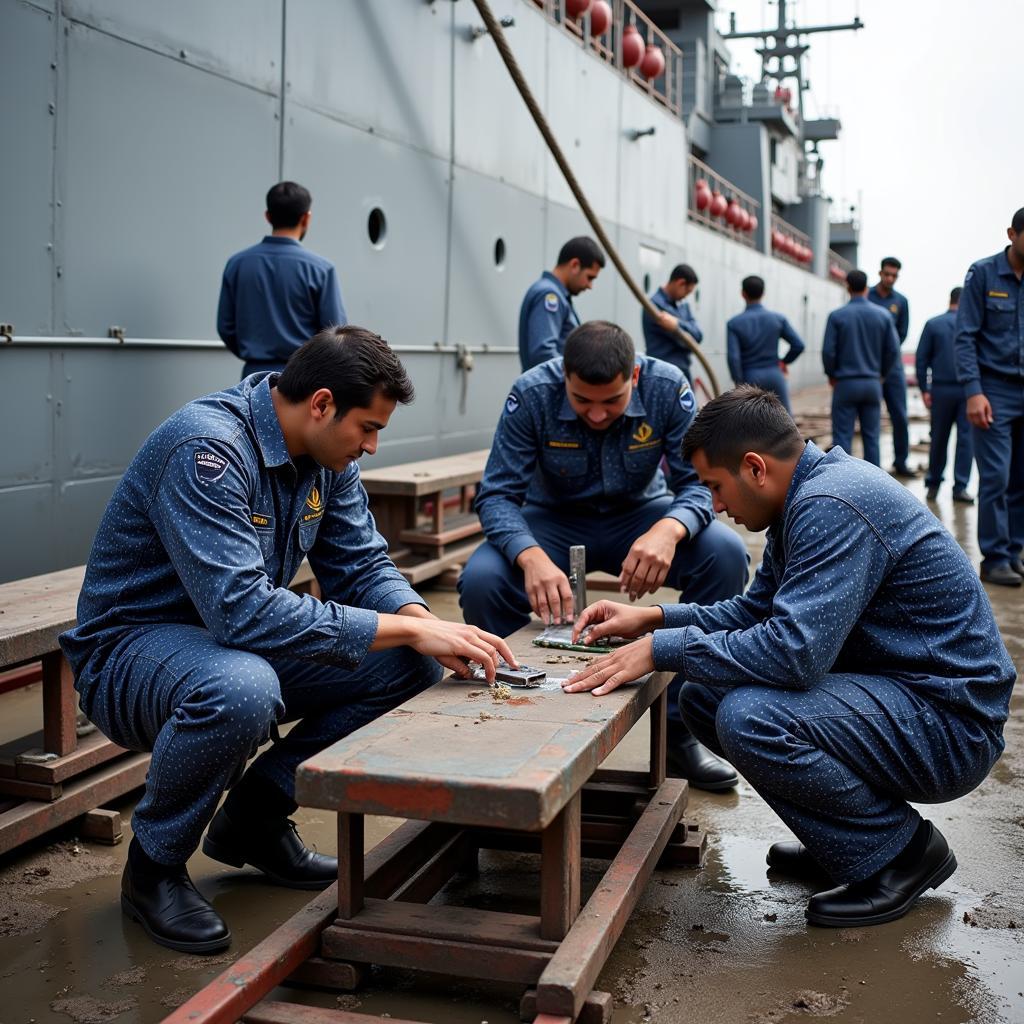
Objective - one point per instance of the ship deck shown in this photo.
(721, 944)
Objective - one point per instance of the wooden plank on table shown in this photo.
(427, 475)
(36, 611)
(444, 922)
(574, 968)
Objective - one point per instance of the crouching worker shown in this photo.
(575, 460)
(189, 645)
(860, 671)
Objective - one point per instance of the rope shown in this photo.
(509, 60)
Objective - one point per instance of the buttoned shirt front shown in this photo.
(935, 363)
(858, 576)
(545, 455)
(896, 305)
(860, 341)
(546, 318)
(753, 340)
(667, 345)
(208, 526)
(990, 324)
(274, 297)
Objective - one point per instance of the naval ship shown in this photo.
(140, 138)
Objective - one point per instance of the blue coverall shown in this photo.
(990, 361)
(936, 376)
(553, 481)
(546, 318)
(189, 643)
(666, 345)
(752, 349)
(859, 349)
(894, 386)
(861, 670)
(275, 296)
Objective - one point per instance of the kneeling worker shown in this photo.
(862, 669)
(188, 643)
(575, 460)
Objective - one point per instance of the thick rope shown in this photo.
(496, 33)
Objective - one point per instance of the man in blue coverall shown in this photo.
(945, 399)
(752, 348)
(859, 349)
(547, 314)
(861, 672)
(189, 643)
(990, 366)
(276, 294)
(661, 338)
(894, 386)
(575, 460)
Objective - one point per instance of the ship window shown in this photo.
(377, 227)
(499, 253)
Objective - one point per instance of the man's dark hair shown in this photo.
(857, 281)
(598, 351)
(287, 204)
(954, 296)
(891, 261)
(753, 287)
(683, 272)
(746, 419)
(354, 364)
(1017, 223)
(582, 248)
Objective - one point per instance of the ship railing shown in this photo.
(666, 87)
(790, 244)
(737, 218)
(838, 267)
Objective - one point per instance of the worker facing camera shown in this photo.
(861, 671)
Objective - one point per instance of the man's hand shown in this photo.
(926, 397)
(979, 411)
(831, 382)
(547, 587)
(454, 643)
(784, 367)
(668, 321)
(609, 672)
(648, 561)
(609, 618)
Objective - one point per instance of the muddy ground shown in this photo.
(722, 944)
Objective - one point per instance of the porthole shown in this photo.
(377, 227)
(499, 253)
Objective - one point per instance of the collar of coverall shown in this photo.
(267, 425)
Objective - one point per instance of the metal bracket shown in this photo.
(464, 361)
(474, 32)
(7, 333)
(116, 332)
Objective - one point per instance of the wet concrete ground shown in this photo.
(722, 944)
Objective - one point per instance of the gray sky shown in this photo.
(932, 144)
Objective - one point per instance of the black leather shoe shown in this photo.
(1017, 565)
(931, 494)
(963, 498)
(904, 472)
(174, 913)
(691, 760)
(792, 858)
(1002, 575)
(887, 894)
(272, 847)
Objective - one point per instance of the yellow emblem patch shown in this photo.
(315, 505)
(894, 308)
(643, 433)
(563, 444)
(998, 295)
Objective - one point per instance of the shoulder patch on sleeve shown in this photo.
(511, 403)
(209, 466)
(551, 302)
(970, 274)
(686, 399)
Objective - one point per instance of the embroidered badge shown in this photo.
(551, 302)
(511, 403)
(894, 308)
(209, 466)
(262, 522)
(998, 295)
(643, 433)
(315, 506)
(563, 444)
(686, 399)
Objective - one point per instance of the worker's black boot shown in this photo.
(172, 911)
(691, 760)
(272, 846)
(888, 894)
(792, 858)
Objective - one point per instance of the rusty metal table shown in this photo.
(473, 773)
